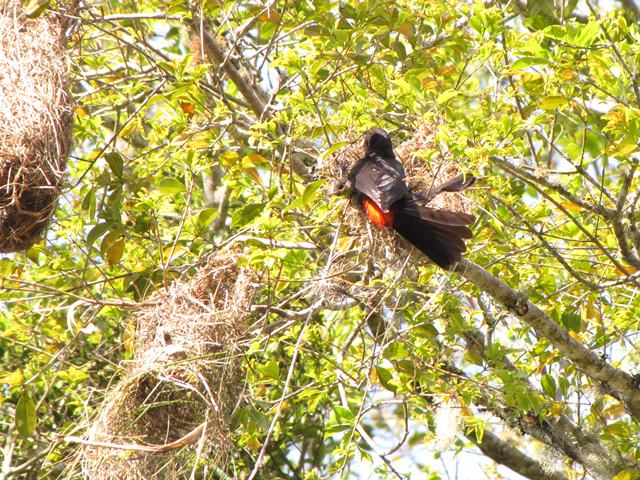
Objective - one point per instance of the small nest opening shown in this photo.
(426, 166)
(35, 122)
(184, 382)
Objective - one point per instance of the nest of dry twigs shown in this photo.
(426, 166)
(35, 126)
(171, 411)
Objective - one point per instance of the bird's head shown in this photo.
(378, 142)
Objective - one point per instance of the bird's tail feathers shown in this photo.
(439, 234)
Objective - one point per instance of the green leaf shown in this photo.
(569, 7)
(314, 30)
(89, 203)
(26, 418)
(269, 372)
(254, 347)
(170, 186)
(573, 150)
(555, 32)
(476, 23)
(309, 392)
(96, 232)
(563, 385)
(447, 95)
(311, 190)
(206, 217)
(476, 426)
(246, 214)
(36, 8)
(588, 33)
(6, 267)
(385, 378)
(115, 162)
(552, 102)
(571, 320)
(34, 252)
(297, 203)
(549, 385)
(10, 378)
(313, 404)
(396, 351)
(544, 8)
(627, 474)
(167, 66)
(343, 414)
(427, 330)
(73, 375)
(526, 62)
(400, 50)
(114, 253)
(334, 148)
(313, 396)
(108, 240)
(332, 428)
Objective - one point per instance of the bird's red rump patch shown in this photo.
(376, 215)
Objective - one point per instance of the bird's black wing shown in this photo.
(439, 234)
(381, 179)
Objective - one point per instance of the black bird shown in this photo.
(381, 191)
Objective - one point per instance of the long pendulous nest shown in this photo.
(426, 166)
(35, 122)
(171, 412)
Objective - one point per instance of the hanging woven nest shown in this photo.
(35, 122)
(170, 413)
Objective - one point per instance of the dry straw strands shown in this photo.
(183, 384)
(34, 123)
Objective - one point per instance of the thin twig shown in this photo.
(189, 438)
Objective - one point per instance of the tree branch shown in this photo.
(619, 383)
(560, 431)
(503, 453)
(255, 97)
(616, 51)
(215, 52)
(632, 7)
(613, 216)
(556, 187)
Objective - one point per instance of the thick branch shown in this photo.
(503, 453)
(618, 227)
(216, 53)
(632, 7)
(560, 431)
(620, 384)
(256, 98)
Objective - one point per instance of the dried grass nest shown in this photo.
(422, 175)
(183, 384)
(35, 122)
